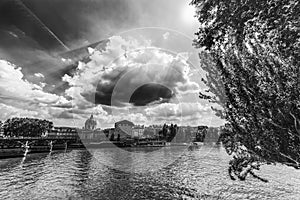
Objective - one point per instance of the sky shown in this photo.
(115, 59)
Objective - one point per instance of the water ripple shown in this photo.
(79, 174)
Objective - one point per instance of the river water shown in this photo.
(168, 173)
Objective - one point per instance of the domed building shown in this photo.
(90, 124)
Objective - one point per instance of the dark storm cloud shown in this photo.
(150, 93)
(104, 90)
(144, 95)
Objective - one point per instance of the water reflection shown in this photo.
(82, 166)
(196, 174)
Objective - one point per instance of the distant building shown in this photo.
(124, 128)
(90, 131)
(109, 131)
(152, 132)
(62, 132)
(124, 123)
(95, 135)
(138, 131)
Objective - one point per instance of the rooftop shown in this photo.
(125, 122)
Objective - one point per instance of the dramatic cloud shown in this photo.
(133, 80)
(128, 71)
(150, 93)
(22, 98)
(18, 93)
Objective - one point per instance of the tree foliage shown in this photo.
(168, 132)
(250, 50)
(26, 127)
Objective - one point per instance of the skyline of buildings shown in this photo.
(125, 129)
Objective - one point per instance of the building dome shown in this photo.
(90, 124)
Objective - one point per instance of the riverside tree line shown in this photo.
(25, 127)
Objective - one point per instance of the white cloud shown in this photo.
(90, 50)
(66, 60)
(184, 113)
(39, 75)
(22, 97)
(166, 35)
(183, 109)
(7, 111)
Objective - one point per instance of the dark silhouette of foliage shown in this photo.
(26, 127)
(168, 133)
(164, 131)
(250, 50)
(201, 133)
(172, 132)
(112, 137)
(1, 129)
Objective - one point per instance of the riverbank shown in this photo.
(20, 147)
(21, 152)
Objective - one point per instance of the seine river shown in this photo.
(168, 173)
